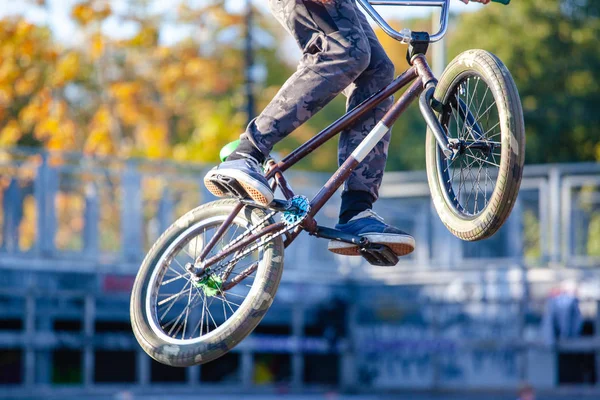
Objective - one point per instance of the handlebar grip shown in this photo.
(505, 2)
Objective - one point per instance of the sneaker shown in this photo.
(243, 178)
(372, 226)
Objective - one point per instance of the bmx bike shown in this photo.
(209, 279)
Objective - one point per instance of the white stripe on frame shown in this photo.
(370, 141)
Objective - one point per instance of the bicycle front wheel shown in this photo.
(475, 191)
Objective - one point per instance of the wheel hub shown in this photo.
(459, 146)
(210, 284)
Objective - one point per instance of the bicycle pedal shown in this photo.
(379, 255)
(230, 186)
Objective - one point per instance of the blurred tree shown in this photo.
(32, 73)
(134, 96)
(551, 49)
(145, 96)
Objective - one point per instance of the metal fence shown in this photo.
(451, 315)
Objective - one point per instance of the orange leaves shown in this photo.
(83, 14)
(99, 140)
(22, 30)
(27, 83)
(66, 69)
(28, 68)
(90, 11)
(38, 106)
(171, 75)
(97, 46)
(49, 120)
(126, 96)
(153, 139)
(47, 127)
(70, 209)
(124, 91)
(10, 134)
(28, 226)
(9, 71)
(213, 12)
(146, 37)
(64, 137)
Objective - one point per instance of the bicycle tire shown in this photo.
(488, 220)
(215, 344)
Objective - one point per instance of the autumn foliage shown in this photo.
(129, 96)
(139, 95)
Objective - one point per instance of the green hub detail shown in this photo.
(210, 285)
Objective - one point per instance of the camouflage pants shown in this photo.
(340, 54)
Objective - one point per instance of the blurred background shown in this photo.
(112, 111)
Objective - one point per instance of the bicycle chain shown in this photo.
(248, 231)
(236, 258)
(262, 243)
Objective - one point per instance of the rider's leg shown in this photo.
(336, 51)
(362, 188)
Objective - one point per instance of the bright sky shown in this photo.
(56, 15)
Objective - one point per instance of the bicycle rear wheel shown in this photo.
(475, 191)
(180, 321)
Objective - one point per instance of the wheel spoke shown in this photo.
(173, 297)
(187, 314)
(178, 277)
(466, 102)
(470, 177)
(202, 318)
(173, 308)
(229, 303)
(483, 99)
(485, 161)
(468, 111)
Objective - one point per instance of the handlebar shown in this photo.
(405, 35)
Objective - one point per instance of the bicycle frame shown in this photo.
(422, 83)
(419, 76)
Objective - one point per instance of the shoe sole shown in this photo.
(253, 189)
(401, 245)
(213, 188)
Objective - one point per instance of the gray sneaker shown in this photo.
(372, 226)
(243, 178)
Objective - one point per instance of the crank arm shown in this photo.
(334, 234)
(276, 205)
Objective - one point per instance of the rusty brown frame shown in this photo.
(420, 69)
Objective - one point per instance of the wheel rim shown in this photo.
(183, 312)
(468, 181)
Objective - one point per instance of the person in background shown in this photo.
(562, 316)
(526, 392)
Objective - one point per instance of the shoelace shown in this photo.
(368, 213)
(252, 162)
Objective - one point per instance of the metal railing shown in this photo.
(102, 214)
(74, 229)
